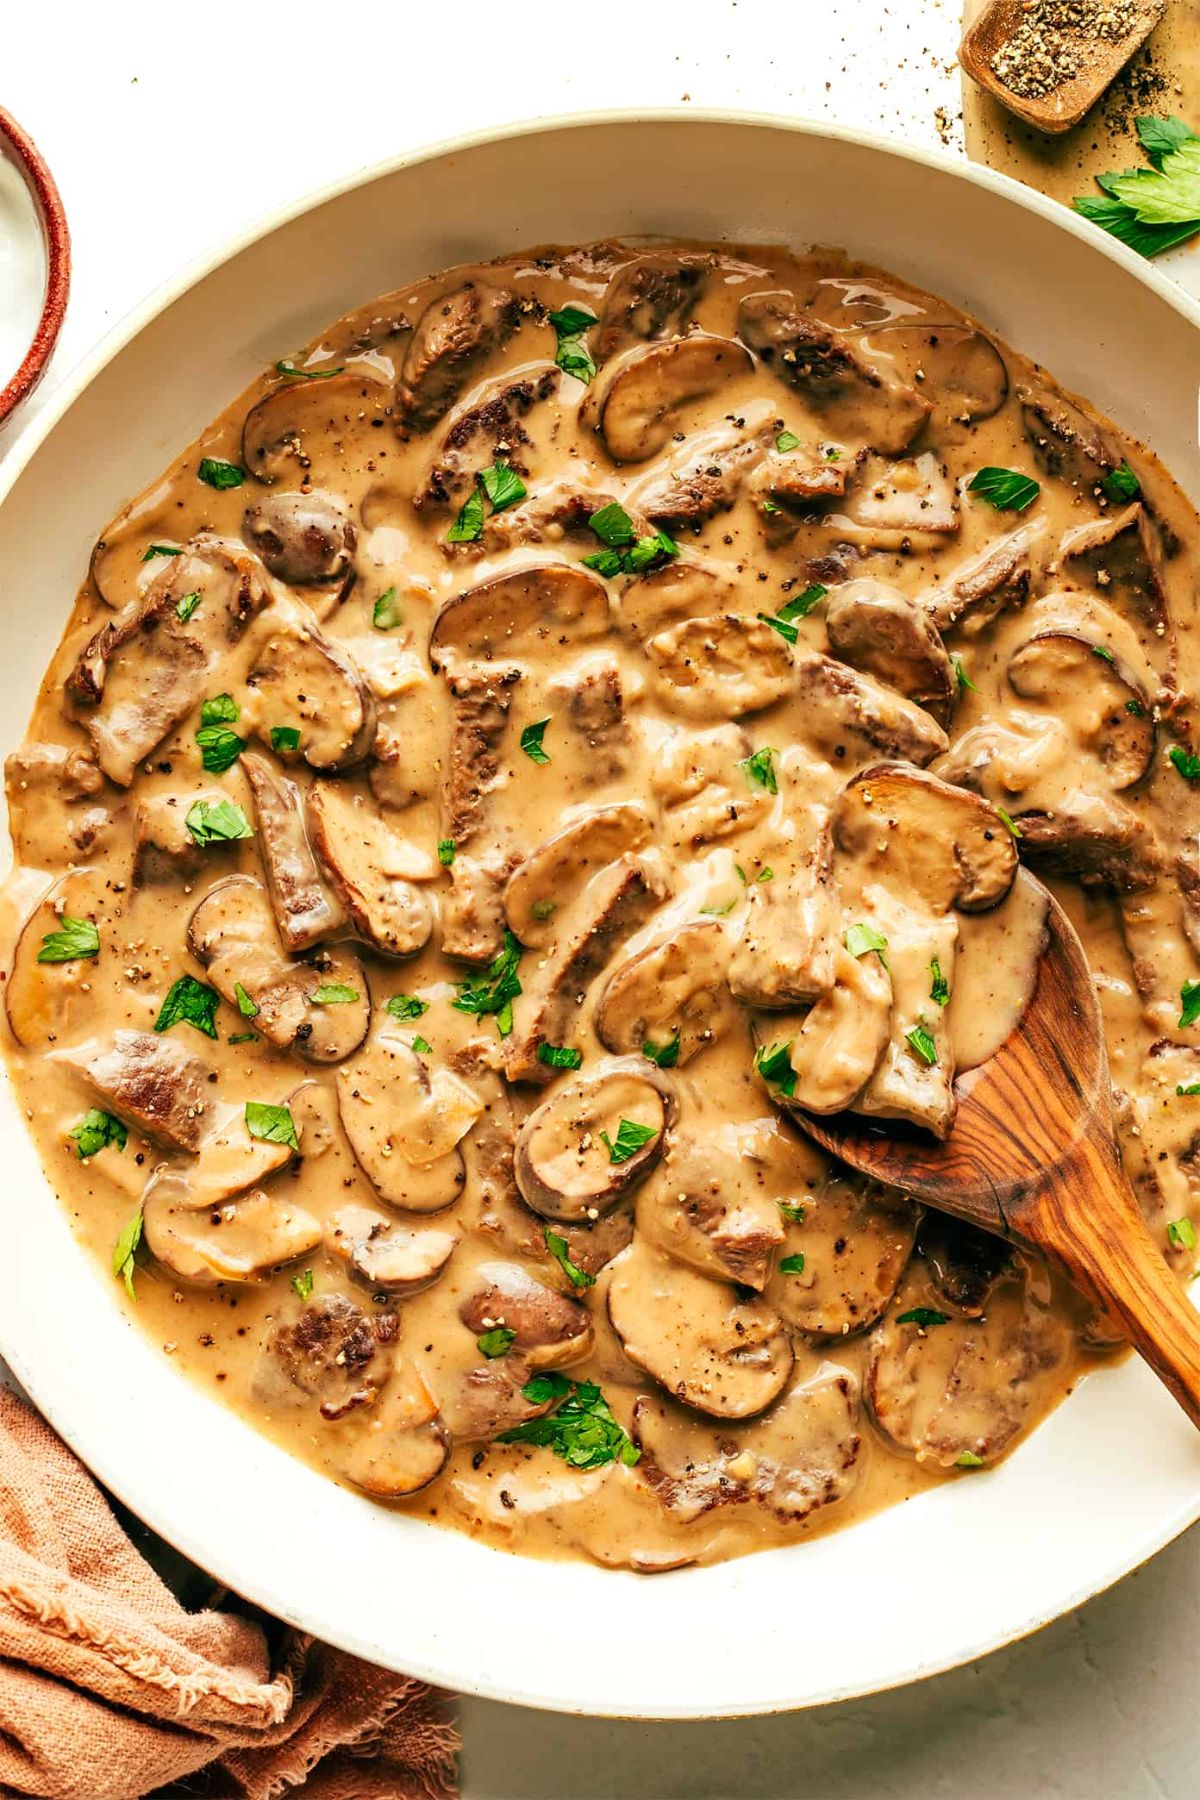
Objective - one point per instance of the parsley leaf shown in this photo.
(497, 1342)
(1007, 490)
(802, 605)
(1121, 483)
(245, 1005)
(1159, 137)
(224, 823)
(559, 1056)
(629, 1140)
(406, 1006)
(625, 553)
(468, 527)
(219, 747)
(1121, 222)
(920, 1042)
(74, 940)
(502, 486)
(287, 367)
(787, 440)
(605, 562)
(775, 1066)
(284, 738)
(531, 741)
(333, 993)
(862, 938)
(496, 990)
(558, 1248)
(924, 1316)
(421, 1045)
(386, 613)
(665, 1055)
(1193, 1089)
(1189, 996)
(187, 606)
(1186, 761)
(792, 1211)
(1182, 1233)
(940, 991)
(271, 1124)
(1152, 209)
(125, 1252)
(153, 550)
(302, 1284)
(1009, 822)
(760, 769)
(447, 851)
(219, 709)
(243, 1037)
(613, 526)
(792, 1265)
(571, 353)
(968, 1460)
(571, 320)
(960, 675)
(787, 631)
(189, 1002)
(95, 1131)
(215, 472)
(582, 1430)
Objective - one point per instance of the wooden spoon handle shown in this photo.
(1090, 1220)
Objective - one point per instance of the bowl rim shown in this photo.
(27, 442)
(57, 239)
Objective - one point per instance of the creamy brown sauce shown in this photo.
(455, 1215)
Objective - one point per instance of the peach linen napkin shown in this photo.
(111, 1690)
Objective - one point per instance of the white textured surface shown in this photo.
(168, 129)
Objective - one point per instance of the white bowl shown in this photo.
(1108, 1480)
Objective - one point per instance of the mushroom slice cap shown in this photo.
(305, 539)
(685, 588)
(721, 666)
(855, 1239)
(243, 1240)
(650, 298)
(946, 844)
(838, 1047)
(960, 370)
(709, 1205)
(551, 1330)
(304, 910)
(303, 678)
(401, 1447)
(721, 1354)
(672, 990)
(280, 430)
(395, 1259)
(525, 611)
(42, 999)
(539, 888)
(154, 1083)
(878, 628)
(592, 1140)
(364, 859)
(228, 1162)
(901, 505)
(1096, 693)
(331, 1351)
(962, 1262)
(405, 1123)
(643, 391)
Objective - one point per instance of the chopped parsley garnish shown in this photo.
(1009, 822)
(285, 738)
(421, 1045)
(862, 938)
(968, 1460)
(792, 1211)
(1151, 210)
(245, 1005)
(302, 1284)
(74, 940)
(1186, 761)
(125, 1252)
(243, 1037)
(153, 550)
(271, 1124)
(287, 367)
(665, 1055)
(497, 1342)
(630, 1138)
(496, 990)
(760, 769)
(581, 1430)
(940, 991)
(468, 526)
(787, 440)
(406, 1006)
(500, 486)
(446, 852)
(571, 353)
(559, 1056)
(187, 606)
(1189, 997)
(1182, 1233)
(96, 1131)
(802, 605)
(770, 508)
(386, 613)
(963, 679)
(1121, 483)
(558, 1248)
(219, 709)
(1136, 708)
(333, 993)
(718, 912)
(787, 631)
(544, 909)
(219, 746)
(775, 1066)
(920, 1042)
(531, 741)
(224, 823)
(613, 525)
(625, 553)
(189, 1002)
(215, 472)
(1102, 651)
(924, 1316)
(503, 486)
(792, 1265)
(1007, 490)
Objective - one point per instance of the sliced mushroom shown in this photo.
(229, 1162)
(282, 433)
(840, 703)
(723, 666)
(709, 1205)
(637, 404)
(364, 860)
(992, 581)
(1067, 441)
(404, 1445)
(651, 298)
(153, 1083)
(706, 480)
(784, 955)
(963, 1388)
(963, 1263)
(702, 786)
(1122, 556)
(572, 1163)
(544, 607)
(542, 887)
(550, 1330)
(856, 399)
(119, 569)
(853, 1241)
(801, 1455)
(1096, 839)
(612, 907)
(243, 1240)
(484, 1402)
(333, 1353)
(303, 678)
(959, 370)
(914, 1078)
(305, 910)
(593, 1244)
(878, 628)
(1106, 705)
(837, 1048)
(909, 505)
(144, 672)
(672, 993)
(385, 1257)
(405, 1123)
(487, 424)
(232, 933)
(948, 847)
(686, 588)
(452, 340)
(305, 539)
(78, 822)
(700, 1340)
(46, 1001)
(164, 849)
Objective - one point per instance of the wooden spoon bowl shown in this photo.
(1032, 1156)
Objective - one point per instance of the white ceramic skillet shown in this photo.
(1108, 1480)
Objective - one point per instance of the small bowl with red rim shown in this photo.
(35, 264)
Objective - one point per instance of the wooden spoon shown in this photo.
(1031, 1156)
